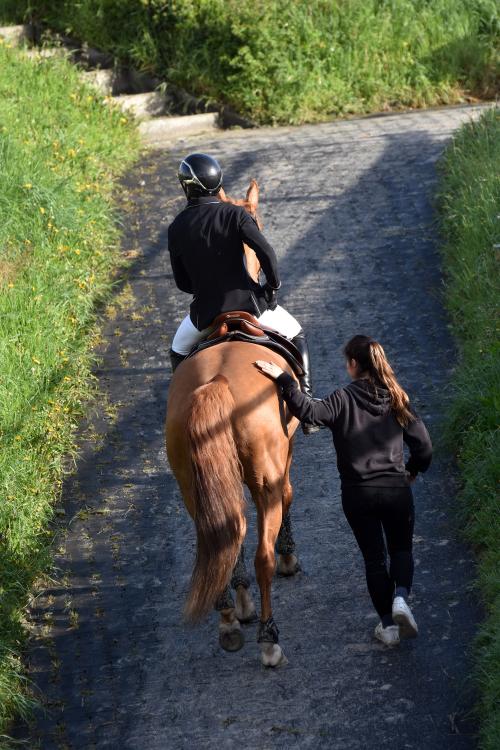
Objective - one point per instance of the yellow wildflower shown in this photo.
(28, 186)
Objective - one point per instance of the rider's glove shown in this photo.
(271, 296)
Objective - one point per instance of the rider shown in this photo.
(205, 242)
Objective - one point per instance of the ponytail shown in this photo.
(371, 358)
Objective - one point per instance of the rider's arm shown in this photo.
(321, 412)
(181, 276)
(253, 237)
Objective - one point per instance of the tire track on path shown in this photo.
(348, 207)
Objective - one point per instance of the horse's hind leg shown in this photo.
(240, 581)
(269, 512)
(288, 563)
(231, 637)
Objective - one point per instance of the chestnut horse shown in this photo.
(226, 426)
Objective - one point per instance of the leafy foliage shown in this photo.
(290, 61)
(470, 203)
(59, 147)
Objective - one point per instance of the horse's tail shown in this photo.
(218, 495)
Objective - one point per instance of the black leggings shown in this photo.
(369, 510)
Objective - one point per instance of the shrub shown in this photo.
(291, 61)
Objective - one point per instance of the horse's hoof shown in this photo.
(272, 655)
(231, 637)
(288, 565)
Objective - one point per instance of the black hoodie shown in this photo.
(368, 438)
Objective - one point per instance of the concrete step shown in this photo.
(143, 106)
(16, 35)
(120, 81)
(102, 80)
(163, 130)
(43, 53)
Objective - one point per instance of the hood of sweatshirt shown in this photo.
(374, 399)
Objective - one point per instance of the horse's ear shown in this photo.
(222, 195)
(253, 195)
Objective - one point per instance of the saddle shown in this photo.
(242, 326)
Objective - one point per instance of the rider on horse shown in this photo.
(205, 242)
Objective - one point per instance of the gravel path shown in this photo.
(348, 207)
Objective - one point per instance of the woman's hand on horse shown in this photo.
(269, 368)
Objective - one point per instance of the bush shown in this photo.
(59, 147)
(291, 61)
(470, 203)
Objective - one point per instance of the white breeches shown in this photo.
(187, 335)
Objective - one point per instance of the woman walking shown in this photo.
(370, 419)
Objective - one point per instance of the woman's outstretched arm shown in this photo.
(321, 412)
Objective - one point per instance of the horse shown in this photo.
(227, 427)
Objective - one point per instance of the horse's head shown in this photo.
(250, 203)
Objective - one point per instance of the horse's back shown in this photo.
(258, 419)
(235, 361)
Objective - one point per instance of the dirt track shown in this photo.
(348, 207)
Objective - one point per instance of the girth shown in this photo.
(241, 326)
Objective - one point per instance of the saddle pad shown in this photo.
(284, 347)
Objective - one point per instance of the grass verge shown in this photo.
(291, 61)
(61, 148)
(470, 213)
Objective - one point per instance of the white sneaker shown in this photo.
(402, 616)
(389, 635)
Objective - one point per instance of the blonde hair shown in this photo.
(371, 358)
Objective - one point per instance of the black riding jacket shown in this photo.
(205, 242)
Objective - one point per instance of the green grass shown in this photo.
(470, 211)
(292, 61)
(59, 150)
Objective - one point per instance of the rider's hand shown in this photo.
(271, 296)
(269, 368)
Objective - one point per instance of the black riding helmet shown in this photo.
(200, 174)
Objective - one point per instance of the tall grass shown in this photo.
(470, 209)
(292, 61)
(60, 148)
